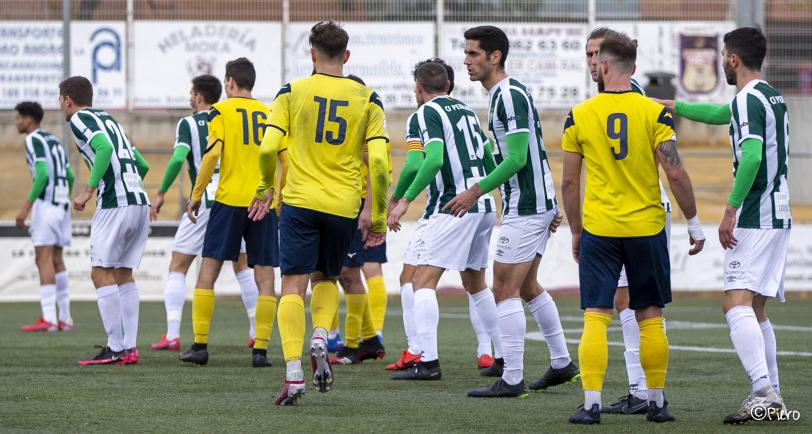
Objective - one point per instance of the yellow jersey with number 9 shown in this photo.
(327, 121)
(239, 124)
(618, 134)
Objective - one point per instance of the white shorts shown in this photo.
(758, 261)
(50, 225)
(118, 236)
(417, 246)
(189, 236)
(521, 238)
(456, 243)
(622, 281)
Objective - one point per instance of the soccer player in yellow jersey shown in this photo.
(622, 136)
(327, 118)
(235, 132)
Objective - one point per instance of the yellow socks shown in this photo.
(334, 326)
(324, 304)
(377, 300)
(356, 303)
(202, 310)
(593, 352)
(292, 326)
(654, 351)
(367, 323)
(266, 312)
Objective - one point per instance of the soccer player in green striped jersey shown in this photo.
(455, 158)
(756, 225)
(120, 225)
(49, 203)
(190, 144)
(529, 216)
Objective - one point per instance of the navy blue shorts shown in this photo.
(648, 269)
(313, 241)
(229, 225)
(357, 255)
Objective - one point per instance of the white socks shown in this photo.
(657, 396)
(130, 301)
(47, 300)
(110, 310)
(174, 298)
(749, 343)
(486, 312)
(482, 339)
(770, 353)
(62, 297)
(427, 318)
(409, 327)
(631, 340)
(592, 397)
(249, 293)
(545, 313)
(512, 329)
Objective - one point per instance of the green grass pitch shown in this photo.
(43, 390)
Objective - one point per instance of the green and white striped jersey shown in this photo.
(531, 190)
(121, 184)
(192, 133)
(759, 112)
(447, 120)
(663, 193)
(41, 145)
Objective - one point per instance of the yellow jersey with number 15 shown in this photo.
(239, 124)
(617, 134)
(327, 121)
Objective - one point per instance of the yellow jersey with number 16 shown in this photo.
(617, 134)
(239, 124)
(327, 121)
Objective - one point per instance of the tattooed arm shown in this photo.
(678, 179)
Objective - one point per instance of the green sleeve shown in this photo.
(104, 151)
(746, 171)
(413, 161)
(428, 170)
(141, 164)
(517, 145)
(71, 177)
(490, 164)
(40, 180)
(714, 114)
(174, 166)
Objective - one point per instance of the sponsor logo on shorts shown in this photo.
(500, 252)
(351, 255)
(504, 240)
(419, 243)
(734, 265)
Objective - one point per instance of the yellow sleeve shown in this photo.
(283, 161)
(280, 110)
(569, 142)
(379, 180)
(207, 166)
(376, 124)
(664, 130)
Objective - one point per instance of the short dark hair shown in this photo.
(622, 48)
(329, 38)
(31, 109)
(599, 33)
(448, 70)
(356, 79)
(749, 44)
(242, 71)
(491, 38)
(78, 88)
(432, 76)
(208, 86)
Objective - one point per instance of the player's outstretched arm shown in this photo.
(428, 170)
(712, 114)
(680, 183)
(104, 151)
(516, 158)
(571, 191)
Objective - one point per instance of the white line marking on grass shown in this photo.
(691, 325)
